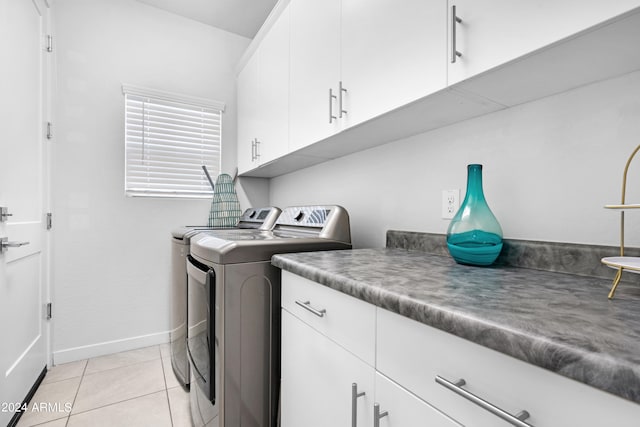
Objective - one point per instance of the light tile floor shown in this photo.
(134, 388)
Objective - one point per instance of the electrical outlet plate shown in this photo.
(450, 203)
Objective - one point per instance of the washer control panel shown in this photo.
(262, 218)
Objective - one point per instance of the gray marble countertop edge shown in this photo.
(570, 361)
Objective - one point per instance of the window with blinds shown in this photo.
(168, 138)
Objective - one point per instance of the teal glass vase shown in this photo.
(474, 236)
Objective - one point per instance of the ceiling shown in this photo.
(243, 17)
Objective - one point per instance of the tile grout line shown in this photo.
(63, 379)
(166, 387)
(124, 366)
(118, 367)
(48, 401)
(45, 422)
(118, 402)
(77, 391)
(84, 373)
(131, 398)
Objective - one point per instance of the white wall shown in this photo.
(549, 167)
(111, 254)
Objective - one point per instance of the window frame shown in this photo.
(193, 189)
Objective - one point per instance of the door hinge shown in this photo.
(49, 311)
(49, 130)
(4, 213)
(49, 43)
(49, 220)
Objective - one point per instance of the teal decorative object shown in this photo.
(474, 236)
(225, 208)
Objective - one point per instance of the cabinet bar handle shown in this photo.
(340, 103)
(516, 420)
(257, 149)
(454, 21)
(307, 306)
(331, 98)
(377, 415)
(354, 404)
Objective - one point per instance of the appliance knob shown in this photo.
(299, 217)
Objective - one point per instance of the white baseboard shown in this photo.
(109, 347)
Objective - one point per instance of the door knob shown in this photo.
(5, 244)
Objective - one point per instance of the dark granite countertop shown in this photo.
(560, 322)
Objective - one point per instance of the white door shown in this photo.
(23, 328)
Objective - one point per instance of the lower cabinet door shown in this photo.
(399, 408)
(318, 378)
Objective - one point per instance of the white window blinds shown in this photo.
(168, 137)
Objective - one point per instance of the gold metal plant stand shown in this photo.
(623, 262)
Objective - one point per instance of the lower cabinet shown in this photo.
(328, 377)
(419, 376)
(442, 369)
(321, 380)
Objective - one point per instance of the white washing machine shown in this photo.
(253, 219)
(234, 313)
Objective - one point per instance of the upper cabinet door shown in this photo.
(315, 69)
(393, 52)
(248, 114)
(492, 32)
(263, 100)
(273, 84)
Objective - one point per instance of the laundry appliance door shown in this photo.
(203, 341)
(179, 358)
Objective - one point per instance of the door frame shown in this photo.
(48, 137)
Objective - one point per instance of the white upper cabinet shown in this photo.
(263, 100)
(353, 60)
(248, 115)
(393, 52)
(333, 77)
(315, 70)
(273, 86)
(492, 32)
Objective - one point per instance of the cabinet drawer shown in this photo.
(413, 354)
(342, 318)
